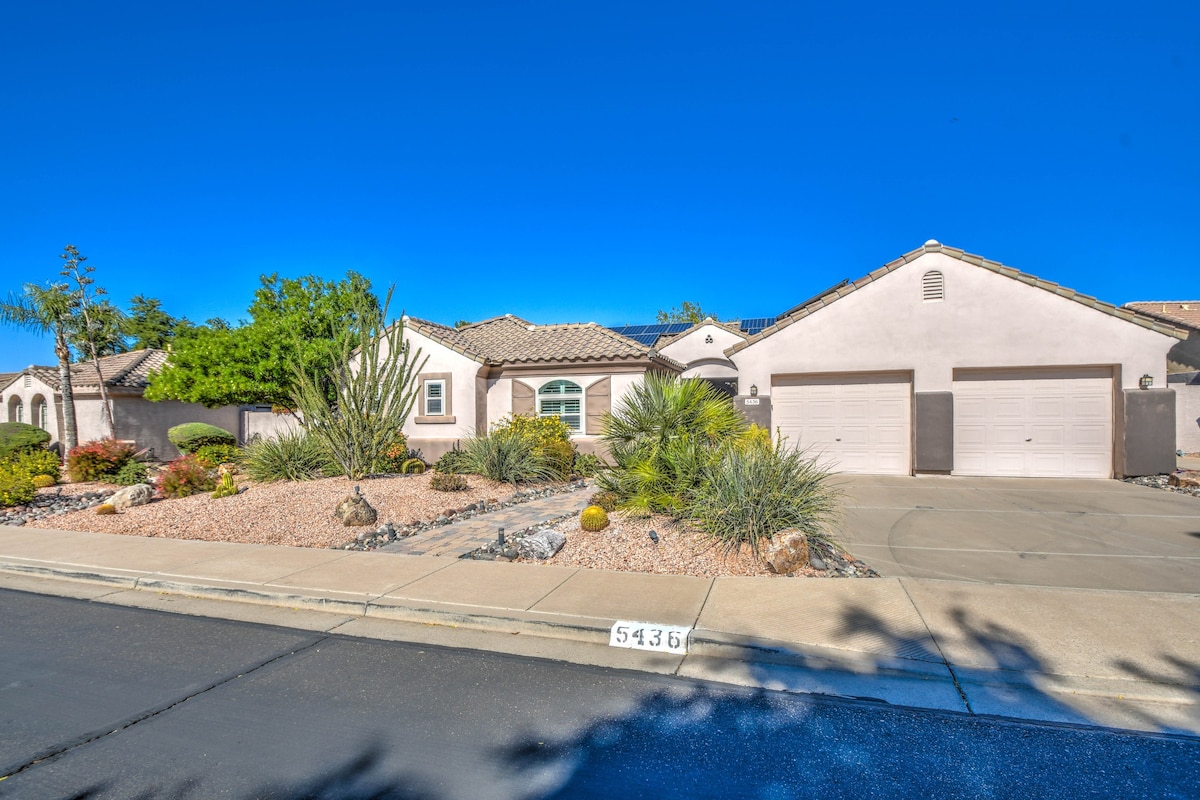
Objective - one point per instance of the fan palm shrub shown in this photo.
(662, 437)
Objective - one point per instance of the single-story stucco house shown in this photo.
(478, 374)
(34, 396)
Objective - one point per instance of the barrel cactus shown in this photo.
(593, 518)
(106, 508)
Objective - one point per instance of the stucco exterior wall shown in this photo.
(985, 320)
(265, 424)
(499, 391)
(704, 360)
(462, 372)
(26, 395)
(1187, 417)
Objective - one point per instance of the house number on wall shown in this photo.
(751, 401)
(649, 636)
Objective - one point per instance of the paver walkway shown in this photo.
(462, 536)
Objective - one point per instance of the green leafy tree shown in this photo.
(686, 312)
(49, 310)
(105, 331)
(292, 321)
(147, 325)
(373, 377)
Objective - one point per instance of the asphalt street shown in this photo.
(101, 701)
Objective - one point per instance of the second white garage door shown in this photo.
(857, 423)
(1033, 423)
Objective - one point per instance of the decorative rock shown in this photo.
(137, 495)
(355, 510)
(788, 552)
(816, 563)
(541, 545)
(1189, 479)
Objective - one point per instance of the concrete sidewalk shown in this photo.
(1121, 659)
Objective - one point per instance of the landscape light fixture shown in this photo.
(1146, 382)
(754, 390)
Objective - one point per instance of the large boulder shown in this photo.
(541, 546)
(788, 552)
(355, 510)
(137, 495)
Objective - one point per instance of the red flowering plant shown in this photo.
(185, 476)
(99, 460)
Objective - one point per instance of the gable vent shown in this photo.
(933, 287)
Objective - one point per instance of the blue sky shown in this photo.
(570, 161)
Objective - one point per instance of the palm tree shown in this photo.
(48, 309)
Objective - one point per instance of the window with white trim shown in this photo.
(562, 399)
(43, 412)
(435, 398)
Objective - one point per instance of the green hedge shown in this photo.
(191, 436)
(18, 437)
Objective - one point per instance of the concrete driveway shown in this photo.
(1086, 534)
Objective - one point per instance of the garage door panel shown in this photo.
(1034, 423)
(853, 423)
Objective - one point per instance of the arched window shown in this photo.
(16, 409)
(562, 399)
(933, 287)
(37, 412)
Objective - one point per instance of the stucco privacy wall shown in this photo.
(1187, 417)
(986, 320)
(147, 423)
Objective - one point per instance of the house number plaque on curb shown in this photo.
(649, 636)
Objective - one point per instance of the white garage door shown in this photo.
(1033, 423)
(857, 423)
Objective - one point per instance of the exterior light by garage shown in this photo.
(754, 390)
(1146, 382)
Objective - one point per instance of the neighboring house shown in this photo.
(478, 374)
(1185, 314)
(945, 362)
(33, 396)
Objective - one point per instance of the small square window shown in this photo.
(435, 398)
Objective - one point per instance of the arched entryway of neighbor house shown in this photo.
(38, 413)
(16, 409)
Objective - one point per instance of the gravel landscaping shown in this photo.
(300, 514)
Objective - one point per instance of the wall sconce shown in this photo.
(1146, 382)
(753, 390)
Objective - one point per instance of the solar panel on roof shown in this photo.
(647, 339)
(678, 327)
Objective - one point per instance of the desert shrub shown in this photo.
(506, 458)
(213, 455)
(750, 494)
(291, 456)
(606, 500)
(593, 518)
(588, 465)
(191, 436)
(38, 462)
(453, 462)
(662, 437)
(42, 481)
(185, 476)
(397, 454)
(105, 509)
(448, 482)
(559, 458)
(99, 460)
(16, 485)
(132, 472)
(19, 437)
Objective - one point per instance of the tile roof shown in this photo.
(7, 377)
(512, 340)
(841, 290)
(1176, 312)
(125, 370)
